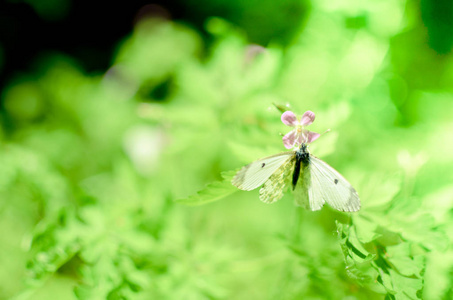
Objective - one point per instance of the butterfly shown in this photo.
(313, 181)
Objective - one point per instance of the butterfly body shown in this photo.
(302, 158)
(313, 181)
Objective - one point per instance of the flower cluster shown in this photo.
(299, 134)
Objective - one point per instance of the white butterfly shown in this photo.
(314, 182)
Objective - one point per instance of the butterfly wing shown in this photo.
(327, 185)
(255, 174)
(277, 183)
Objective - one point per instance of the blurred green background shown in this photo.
(114, 179)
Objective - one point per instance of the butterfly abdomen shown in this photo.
(302, 157)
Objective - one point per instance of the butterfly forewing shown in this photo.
(255, 174)
(277, 183)
(327, 185)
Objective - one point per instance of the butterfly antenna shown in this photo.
(328, 130)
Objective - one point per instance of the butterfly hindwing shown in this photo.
(301, 197)
(255, 174)
(327, 185)
(277, 183)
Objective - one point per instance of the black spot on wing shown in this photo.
(336, 181)
(262, 165)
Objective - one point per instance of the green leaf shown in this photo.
(400, 272)
(365, 229)
(386, 281)
(405, 287)
(400, 256)
(212, 192)
(354, 253)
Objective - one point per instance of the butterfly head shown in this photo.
(303, 148)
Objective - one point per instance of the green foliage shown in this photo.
(100, 174)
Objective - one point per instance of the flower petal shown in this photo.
(307, 118)
(312, 136)
(289, 139)
(289, 118)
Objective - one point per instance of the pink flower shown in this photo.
(299, 134)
